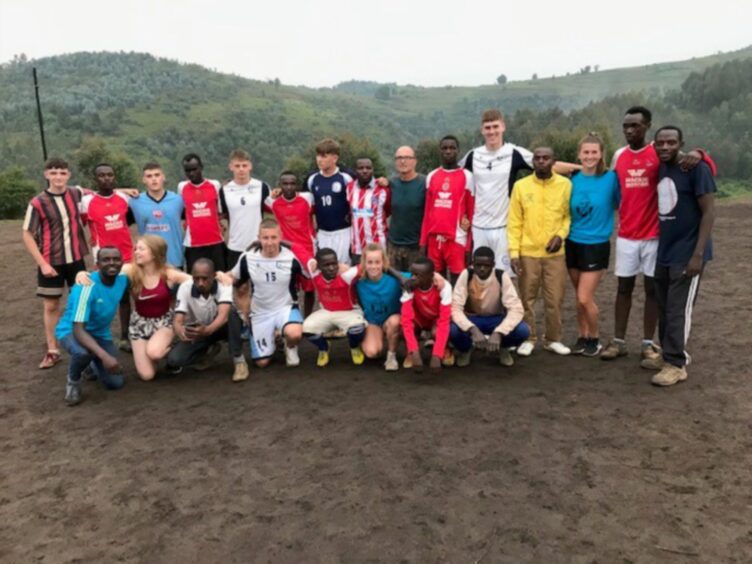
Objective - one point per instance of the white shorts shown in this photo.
(496, 240)
(264, 328)
(338, 241)
(635, 257)
(322, 321)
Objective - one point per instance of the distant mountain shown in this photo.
(155, 108)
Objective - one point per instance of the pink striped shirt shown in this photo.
(370, 207)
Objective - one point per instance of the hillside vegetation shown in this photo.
(143, 108)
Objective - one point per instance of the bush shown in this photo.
(15, 192)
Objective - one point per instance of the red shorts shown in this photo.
(446, 253)
(304, 254)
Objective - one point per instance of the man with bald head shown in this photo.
(408, 202)
(538, 225)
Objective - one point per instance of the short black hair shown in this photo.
(203, 260)
(486, 252)
(450, 138)
(108, 248)
(104, 164)
(670, 128)
(423, 261)
(325, 252)
(288, 173)
(647, 115)
(193, 157)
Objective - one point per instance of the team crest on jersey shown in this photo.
(158, 214)
(636, 172)
(445, 185)
(336, 187)
(445, 195)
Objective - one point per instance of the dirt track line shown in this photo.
(677, 551)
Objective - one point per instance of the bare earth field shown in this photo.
(555, 460)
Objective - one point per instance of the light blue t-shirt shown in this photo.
(592, 205)
(94, 306)
(379, 299)
(161, 218)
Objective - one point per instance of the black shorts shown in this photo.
(232, 258)
(52, 287)
(217, 253)
(587, 258)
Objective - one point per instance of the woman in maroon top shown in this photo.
(151, 281)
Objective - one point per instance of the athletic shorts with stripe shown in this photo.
(264, 328)
(446, 253)
(635, 257)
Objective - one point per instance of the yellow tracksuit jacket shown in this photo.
(538, 211)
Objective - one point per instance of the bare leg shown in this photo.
(586, 301)
(51, 318)
(623, 306)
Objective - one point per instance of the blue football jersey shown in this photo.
(330, 200)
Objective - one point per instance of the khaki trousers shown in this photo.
(548, 275)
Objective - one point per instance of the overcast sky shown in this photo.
(425, 42)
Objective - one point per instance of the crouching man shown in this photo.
(486, 311)
(84, 330)
(201, 312)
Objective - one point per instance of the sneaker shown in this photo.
(292, 358)
(579, 346)
(357, 356)
(241, 372)
(614, 349)
(593, 347)
(463, 359)
(323, 358)
(656, 363)
(557, 347)
(669, 375)
(526, 348)
(505, 357)
(391, 364)
(173, 370)
(428, 343)
(448, 359)
(51, 358)
(73, 393)
(650, 351)
(206, 361)
(408, 362)
(125, 345)
(88, 374)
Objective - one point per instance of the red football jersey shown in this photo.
(337, 294)
(449, 197)
(638, 184)
(423, 309)
(202, 209)
(107, 218)
(295, 218)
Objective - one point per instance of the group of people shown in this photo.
(457, 258)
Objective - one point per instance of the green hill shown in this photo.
(154, 108)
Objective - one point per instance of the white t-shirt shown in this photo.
(244, 205)
(495, 173)
(197, 308)
(273, 280)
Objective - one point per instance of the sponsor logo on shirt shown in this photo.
(161, 228)
(159, 214)
(336, 187)
(636, 178)
(113, 222)
(444, 199)
(200, 210)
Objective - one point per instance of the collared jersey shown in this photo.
(273, 280)
(200, 309)
(94, 305)
(538, 211)
(638, 183)
(449, 197)
(163, 218)
(55, 222)
(337, 294)
(495, 173)
(202, 209)
(330, 197)
(244, 205)
(107, 218)
(370, 207)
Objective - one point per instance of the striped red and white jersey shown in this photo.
(55, 222)
(370, 206)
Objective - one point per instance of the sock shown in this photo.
(319, 341)
(619, 340)
(355, 335)
(238, 359)
(390, 355)
(647, 342)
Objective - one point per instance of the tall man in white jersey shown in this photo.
(495, 166)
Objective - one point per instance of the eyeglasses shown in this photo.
(404, 158)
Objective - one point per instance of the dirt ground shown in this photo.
(555, 460)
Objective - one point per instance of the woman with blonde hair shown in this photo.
(151, 283)
(594, 200)
(379, 294)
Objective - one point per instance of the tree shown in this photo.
(94, 151)
(501, 79)
(15, 192)
(383, 92)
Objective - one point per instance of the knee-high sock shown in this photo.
(355, 335)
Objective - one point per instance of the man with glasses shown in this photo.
(408, 202)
